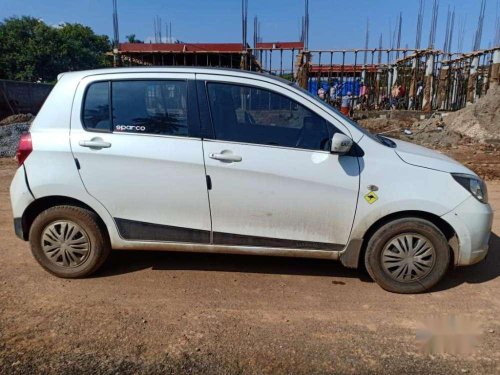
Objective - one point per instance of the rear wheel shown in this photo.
(68, 242)
(407, 255)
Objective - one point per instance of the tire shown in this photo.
(389, 260)
(68, 242)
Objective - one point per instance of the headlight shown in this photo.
(474, 185)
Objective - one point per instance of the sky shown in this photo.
(334, 24)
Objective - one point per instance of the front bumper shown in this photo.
(472, 221)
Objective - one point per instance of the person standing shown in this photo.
(345, 108)
(420, 94)
(321, 93)
(363, 94)
(333, 92)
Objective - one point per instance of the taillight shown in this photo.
(24, 149)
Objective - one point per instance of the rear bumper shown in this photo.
(20, 194)
(472, 221)
(21, 198)
(18, 228)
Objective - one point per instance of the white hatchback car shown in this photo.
(209, 160)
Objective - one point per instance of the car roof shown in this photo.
(175, 69)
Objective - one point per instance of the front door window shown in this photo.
(253, 115)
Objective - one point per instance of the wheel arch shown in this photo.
(41, 204)
(353, 256)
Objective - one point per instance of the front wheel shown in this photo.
(68, 242)
(407, 255)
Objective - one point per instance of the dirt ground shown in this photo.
(148, 312)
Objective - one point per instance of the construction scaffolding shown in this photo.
(409, 79)
(224, 55)
(424, 79)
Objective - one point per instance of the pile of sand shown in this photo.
(479, 121)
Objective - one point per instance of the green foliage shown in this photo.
(132, 39)
(287, 76)
(31, 50)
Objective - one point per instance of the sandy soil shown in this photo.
(194, 313)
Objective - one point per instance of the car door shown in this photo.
(136, 143)
(274, 181)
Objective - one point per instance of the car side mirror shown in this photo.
(341, 144)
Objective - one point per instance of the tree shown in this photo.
(31, 50)
(79, 48)
(131, 39)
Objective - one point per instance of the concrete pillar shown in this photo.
(244, 60)
(454, 91)
(471, 85)
(363, 73)
(377, 87)
(428, 81)
(394, 75)
(303, 64)
(389, 82)
(413, 84)
(116, 58)
(495, 68)
(442, 87)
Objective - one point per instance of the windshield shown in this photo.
(377, 138)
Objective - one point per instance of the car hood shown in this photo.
(423, 157)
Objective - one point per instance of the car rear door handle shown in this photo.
(95, 143)
(226, 157)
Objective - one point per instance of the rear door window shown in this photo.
(96, 112)
(137, 106)
(151, 107)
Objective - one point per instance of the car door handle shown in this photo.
(226, 157)
(95, 143)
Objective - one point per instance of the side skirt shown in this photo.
(227, 249)
(147, 236)
(132, 230)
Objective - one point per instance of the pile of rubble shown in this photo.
(11, 129)
(435, 133)
(470, 135)
(479, 121)
(476, 123)
(18, 119)
(431, 132)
